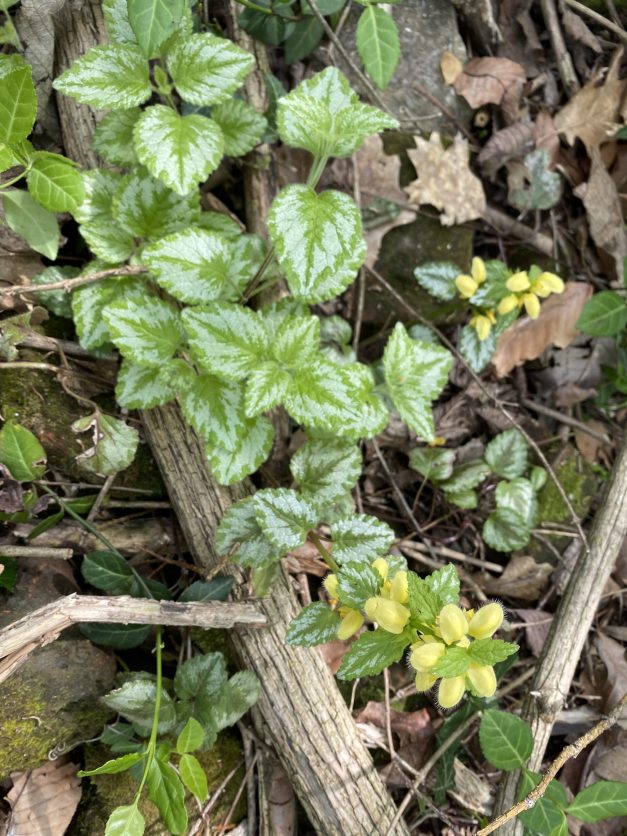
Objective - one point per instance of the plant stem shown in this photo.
(13, 180)
(152, 743)
(325, 554)
(259, 275)
(317, 167)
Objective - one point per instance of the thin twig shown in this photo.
(602, 21)
(565, 755)
(410, 546)
(388, 712)
(565, 419)
(200, 821)
(71, 284)
(239, 792)
(562, 56)
(437, 103)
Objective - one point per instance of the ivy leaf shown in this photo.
(315, 624)
(166, 790)
(125, 821)
(145, 332)
(506, 740)
(378, 44)
(424, 602)
(108, 571)
(193, 776)
(181, 151)
(372, 652)
(490, 651)
(444, 583)
(153, 21)
(434, 463)
(356, 583)
(214, 408)
(54, 182)
(249, 453)
(117, 636)
(304, 37)
(284, 517)
(520, 496)
(601, 800)
(323, 115)
(206, 69)
(142, 387)
(416, 372)
(605, 315)
(113, 137)
(108, 76)
(18, 102)
(242, 126)
(21, 452)
(135, 701)
(326, 469)
(227, 339)
(507, 454)
(36, 225)
(360, 538)
(114, 444)
(455, 662)
(505, 530)
(318, 240)
(438, 278)
(146, 208)
(239, 527)
(106, 238)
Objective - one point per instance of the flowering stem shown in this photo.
(325, 554)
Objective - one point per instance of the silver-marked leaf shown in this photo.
(318, 240)
(106, 238)
(239, 528)
(153, 21)
(416, 372)
(89, 301)
(116, 19)
(228, 340)
(108, 76)
(141, 387)
(36, 225)
(242, 126)
(57, 301)
(18, 103)
(315, 624)
(206, 69)
(181, 151)
(478, 353)
(114, 444)
(323, 115)
(145, 207)
(378, 44)
(250, 452)
(246, 256)
(506, 530)
(360, 538)
(357, 581)
(507, 454)
(54, 182)
(296, 340)
(266, 387)
(284, 517)
(465, 477)
(372, 652)
(326, 469)
(545, 186)
(433, 463)
(220, 223)
(146, 332)
(438, 278)
(214, 408)
(520, 496)
(113, 137)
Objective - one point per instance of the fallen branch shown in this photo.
(78, 281)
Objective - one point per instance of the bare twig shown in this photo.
(36, 551)
(211, 802)
(565, 755)
(71, 284)
(562, 56)
(509, 226)
(565, 419)
(410, 546)
(598, 18)
(388, 713)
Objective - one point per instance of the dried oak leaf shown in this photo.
(445, 180)
(527, 338)
(492, 81)
(594, 113)
(43, 801)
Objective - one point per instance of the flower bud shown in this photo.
(507, 304)
(390, 615)
(351, 622)
(399, 589)
(426, 656)
(518, 282)
(553, 282)
(486, 621)
(381, 565)
(466, 285)
(425, 681)
(532, 305)
(330, 584)
(452, 623)
(483, 679)
(451, 691)
(477, 270)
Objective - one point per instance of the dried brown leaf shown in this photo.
(445, 180)
(547, 136)
(410, 726)
(593, 114)
(528, 338)
(43, 801)
(492, 81)
(510, 143)
(451, 67)
(612, 655)
(471, 790)
(523, 579)
(569, 394)
(592, 448)
(537, 625)
(578, 30)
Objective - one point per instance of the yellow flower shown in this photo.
(452, 623)
(550, 281)
(351, 622)
(466, 285)
(477, 270)
(330, 584)
(482, 678)
(390, 615)
(451, 691)
(532, 305)
(425, 681)
(482, 326)
(382, 567)
(399, 588)
(507, 304)
(437, 441)
(426, 656)
(518, 282)
(486, 621)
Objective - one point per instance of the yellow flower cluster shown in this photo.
(386, 609)
(468, 285)
(528, 292)
(455, 627)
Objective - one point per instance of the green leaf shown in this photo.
(54, 182)
(318, 240)
(546, 817)
(284, 517)
(191, 737)
(193, 776)
(21, 452)
(601, 800)
(507, 454)
(605, 315)
(267, 386)
(113, 137)
(153, 21)
(108, 571)
(463, 499)
(146, 208)
(520, 496)
(465, 477)
(545, 186)
(206, 69)
(108, 76)
(271, 29)
(357, 582)
(505, 530)
(240, 693)
(115, 444)
(303, 39)
(506, 740)
(230, 466)
(416, 373)
(200, 679)
(166, 790)
(323, 115)
(227, 339)
(378, 44)
(438, 278)
(57, 301)
(8, 573)
(214, 408)
(455, 662)
(18, 102)
(116, 19)
(112, 767)
(315, 624)
(141, 387)
(372, 652)
(147, 333)
(135, 701)
(36, 225)
(181, 151)
(424, 602)
(434, 463)
(125, 821)
(264, 578)
(360, 538)
(217, 589)
(239, 527)
(242, 126)
(107, 239)
(89, 302)
(490, 651)
(326, 469)
(477, 353)
(444, 583)
(117, 636)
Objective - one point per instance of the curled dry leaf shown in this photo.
(537, 625)
(451, 67)
(576, 28)
(594, 113)
(492, 81)
(527, 338)
(445, 180)
(523, 579)
(410, 726)
(593, 449)
(511, 143)
(43, 801)
(471, 790)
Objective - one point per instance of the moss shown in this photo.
(580, 483)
